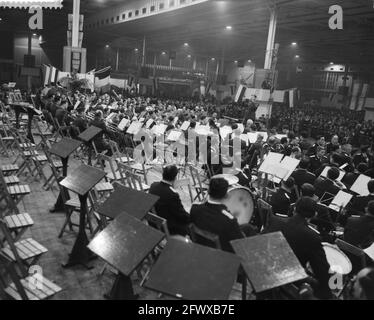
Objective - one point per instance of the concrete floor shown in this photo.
(77, 282)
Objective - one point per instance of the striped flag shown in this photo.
(51, 74)
(102, 77)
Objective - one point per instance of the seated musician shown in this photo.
(363, 287)
(333, 161)
(169, 206)
(100, 143)
(319, 143)
(333, 143)
(282, 199)
(327, 184)
(213, 215)
(306, 244)
(301, 175)
(79, 123)
(318, 160)
(361, 202)
(353, 173)
(359, 231)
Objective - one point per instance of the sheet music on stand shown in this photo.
(252, 136)
(326, 198)
(327, 168)
(241, 127)
(134, 127)
(245, 138)
(185, 125)
(149, 123)
(123, 124)
(271, 159)
(360, 186)
(340, 201)
(290, 164)
(370, 251)
(159, 129)
(224, 131)
(174, 135)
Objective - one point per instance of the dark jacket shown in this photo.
(216, 219)
(307, 246)
(323, 185)
(359, 231)
(281, 202)
(359, 204)
(302, 176)
(170, 207)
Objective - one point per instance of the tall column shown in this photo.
(143, 52)
(29, 43)
(75, 30)
(117, 59)
(271, 38)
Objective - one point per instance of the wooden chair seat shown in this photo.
(115, 176)
(7, 138)
(45, 290)
(124, 159)
(19, 189)
(27, 249)
(139, 167)
(57, 164)
(26, 145)
(41, 158)
(17, 221)
(30, 153)
(104, 187)
(145, 187)
(9, 168)
(11, 179)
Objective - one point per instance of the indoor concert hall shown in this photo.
(170, 151)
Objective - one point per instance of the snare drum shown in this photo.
(337, 259)
(240, 203)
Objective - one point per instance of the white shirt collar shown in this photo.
(213, 202)
(167, 182)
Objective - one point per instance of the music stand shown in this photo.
(194, 272)
(124, 244)
(87, 136)
(81, 181)
(125, 200)
(63, 149)
(268, 261)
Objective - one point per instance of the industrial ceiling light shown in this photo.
(249, 61)
(185, 44)
(228, 27)
(331, 62)
(213, 59)
(163, 52)
(297, 56)
(136, 49)
(34, 34)
(294, 43)
(236, 61)
(107, 46)
(189, 56)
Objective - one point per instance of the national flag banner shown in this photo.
(51, 74)
(47, 74)
(155, 84)
(240, 93)
(102, 77)
(208, 87)
(54, 75)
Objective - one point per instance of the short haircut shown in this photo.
(362, 167)
(335, 157)
(169, 173)
(319, 149)
(370, 207)
(218, 188)
(234, 126)
(304, 163)
(306, 207)
(307, 190)
(289, 183)
(192, 124)
(367, 284)
(333, 173)
(371, 186)
(284, 140)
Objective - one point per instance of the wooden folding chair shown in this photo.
(26, 286)
(185, 182)
(130, 178)
(140, 168)
(200, 188)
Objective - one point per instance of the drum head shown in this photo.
(240, 203)
(337, 259)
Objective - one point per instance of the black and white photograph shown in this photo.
(189, 158)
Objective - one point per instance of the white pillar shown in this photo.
(271, 38)
(75, 31)
(143, 52)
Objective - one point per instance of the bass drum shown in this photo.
(240, 203)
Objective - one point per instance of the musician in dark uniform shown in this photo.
(301, 175)
(306, 244)
(318, 160)
(334, 161)
(282, 199)
(333, 145)
(169, 206)
(327, 184)
(213, 215)
(359, 231)
(100, 143)
(359, 203)
(79, 124)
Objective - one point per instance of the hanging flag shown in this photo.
(51, 75)
(102, 77)
(208, 87)
(47, 74)
(155, 84)
(54, 75)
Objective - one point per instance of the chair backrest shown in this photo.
(102, 158)
(114, 147)
(158, 223)
(186, 182)
(269, 193)
(204, 237)
(265, 210)
(195, 175)
(355, 254)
